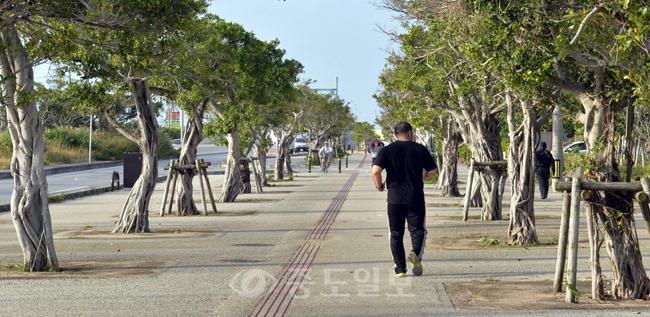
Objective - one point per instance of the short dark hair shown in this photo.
(403, 128)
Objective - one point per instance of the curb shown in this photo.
(76, 167)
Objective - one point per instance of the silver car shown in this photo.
(576, 147)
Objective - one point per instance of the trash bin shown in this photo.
(132, 168)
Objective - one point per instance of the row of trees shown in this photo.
(127, 58)
(470, 69)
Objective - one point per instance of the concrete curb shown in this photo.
(76, 167)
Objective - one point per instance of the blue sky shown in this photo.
(334, 38)
(330, 38)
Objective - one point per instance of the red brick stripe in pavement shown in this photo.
(277, 302)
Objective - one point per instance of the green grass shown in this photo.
(70, 145)
(86, 227)
(554, 240)
(490, 279)
(485, 241)
(178, 231)
(9, 266)
(56, 198)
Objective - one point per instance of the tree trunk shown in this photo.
(485, 149)
(135, 214)
(448, 182)
(283, 150)
(191, 140)
(29, 200)
(616, 212)
(288, 170)
(232, 182)
(521, 166)
(260, 152)
(245, 176)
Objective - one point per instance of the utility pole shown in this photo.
(90, 143)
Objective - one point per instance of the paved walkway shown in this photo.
(317, 248)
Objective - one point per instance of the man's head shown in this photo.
(543, 145)
(404, 131)
(327, 143)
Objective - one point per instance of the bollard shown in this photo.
(561, 244)
(468, 190)
(339, 165)
(309, 161)
(574, 222)
(346, 161)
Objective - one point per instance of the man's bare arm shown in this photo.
(430, 173)
(376, 176)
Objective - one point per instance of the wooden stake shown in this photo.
(645, 209)
(207, 183)
(173, 190)
(468, 191)
(166, 192)
(200, 171)
(562, 243)
(573, 240)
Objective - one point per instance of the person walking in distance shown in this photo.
(404, 161)
(375, 147)
(543, 162)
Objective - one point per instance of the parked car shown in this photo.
(299, 145)
(177, 144)
(575, 147)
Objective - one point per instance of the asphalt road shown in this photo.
(83, 180)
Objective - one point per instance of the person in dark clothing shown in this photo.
(404, 161)
(543, 162)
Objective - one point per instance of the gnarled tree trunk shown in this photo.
(485, 148)
(616, 213)
(521, 166)
(283, 151)
(448, 179)
(232, 181)
(288, 170)
(260, 152)
(245, 175)
(135, 214)
(29, 200)
(191, 140)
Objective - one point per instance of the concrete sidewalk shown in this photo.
(315, 246)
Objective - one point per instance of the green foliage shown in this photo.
(575, 160)
(363, 132)
(574, 291)
(485, 241)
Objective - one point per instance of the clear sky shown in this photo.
(333, 38)
(330, 38)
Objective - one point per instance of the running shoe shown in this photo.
(415, 262)
(401, 274)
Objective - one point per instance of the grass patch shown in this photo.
(86, 227)
(490, 279)
(554, 240)
(178, 231)
(270, 179)
(486, 241)
(456, 205)
(9, 266)
(56, 198)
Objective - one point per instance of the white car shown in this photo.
(575, 147)
(177, 144)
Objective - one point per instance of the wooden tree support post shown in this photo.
(574, 221)
(173, 190)
(562, 243)
(468, 190)
(643, 202)
(166, 192)
(207, 183)
(200, 171)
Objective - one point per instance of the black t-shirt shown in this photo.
(404, 162)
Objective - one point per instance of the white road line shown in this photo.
(69, 189)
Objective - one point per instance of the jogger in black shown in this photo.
(414, 216)
(404, 162)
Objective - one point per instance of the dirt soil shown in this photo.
(91, 269)
(536, 295)
(229, 213)
(154, 234)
